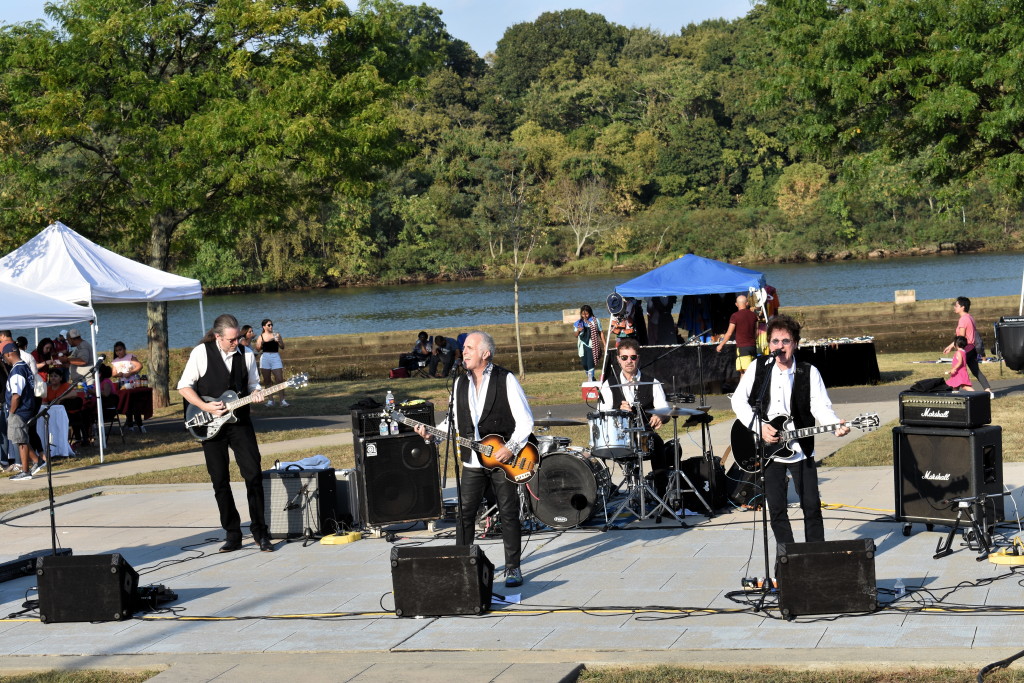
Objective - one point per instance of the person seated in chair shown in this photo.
(443, 355)
(422, 349)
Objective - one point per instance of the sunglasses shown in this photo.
(781, 342)
(628, 357)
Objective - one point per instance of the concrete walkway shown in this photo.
(324, 612)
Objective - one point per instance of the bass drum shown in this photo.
(567, 488)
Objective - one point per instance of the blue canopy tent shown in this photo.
(692, 274)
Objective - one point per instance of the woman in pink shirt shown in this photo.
(966, 328)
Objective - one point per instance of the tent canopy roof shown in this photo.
(24, 308)
(692, 274)
(60, 261)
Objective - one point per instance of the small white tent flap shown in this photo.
(61, 261)
(26, 308)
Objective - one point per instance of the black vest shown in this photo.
(495, 416)
(644, 394)
(217, 379)
(799, 400)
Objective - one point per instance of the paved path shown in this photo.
(325, 610)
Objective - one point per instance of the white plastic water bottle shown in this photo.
(389, 401)
(899, 589)
(394, 426)
(383, 426)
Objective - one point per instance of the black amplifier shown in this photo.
(1012, 320)
(966, 409)
(367, 422)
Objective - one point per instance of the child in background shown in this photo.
(959, 380)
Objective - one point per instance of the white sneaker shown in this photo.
(16, 468)
(270, 403)
(284, 404)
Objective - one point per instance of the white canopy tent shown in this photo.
(26, 308)
(66, 265)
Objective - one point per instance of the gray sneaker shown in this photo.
(37, 468)
(24, 476)
(513, 577)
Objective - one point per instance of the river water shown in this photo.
(472, 303)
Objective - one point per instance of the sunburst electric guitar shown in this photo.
(203, 425)
(519, 471)
(744, 442)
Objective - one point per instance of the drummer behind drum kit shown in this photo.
(573, 484)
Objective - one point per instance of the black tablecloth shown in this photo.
(839, 365)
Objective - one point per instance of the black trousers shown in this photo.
(972, 365)
(474, 484)
(805, 479)
(241, 437)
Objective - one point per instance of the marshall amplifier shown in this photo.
(934, 466)
(367, 422)
(964, 410)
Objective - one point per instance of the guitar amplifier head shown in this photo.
(367, 422)
(963, 410)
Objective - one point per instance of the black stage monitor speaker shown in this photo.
(829, 577)
(347, 499)
(399, 480)
(933, 466)
(298, 503)
(441, 580)
(367, 422)
(85, 588)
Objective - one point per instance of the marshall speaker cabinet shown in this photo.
(932, 466)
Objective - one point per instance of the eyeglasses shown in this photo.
(231, 340)
(628, 357)
(781, 342)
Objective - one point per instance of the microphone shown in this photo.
(777, 352)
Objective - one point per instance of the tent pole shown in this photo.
(99, 394)
(1020, 306)
(202, 319)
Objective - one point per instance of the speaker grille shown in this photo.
(933, 466)
(300, 503)
(399, 480)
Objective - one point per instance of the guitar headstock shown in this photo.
(868, 422)
(298, 381)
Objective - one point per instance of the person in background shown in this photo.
(81, 356)
(6, 338)
(965, 327)
(216, 365)
(60, 344)
(959, 380)
(22, 343)
(126, 366)
(79, 420)
(422, 349)
(20, 406)
(443, 355)
(46, 358)
(270, 344)
(245, 336)
(589, 345)
(742, 323)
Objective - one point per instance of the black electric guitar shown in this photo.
(519, 471)
(745, 442)
(203, 425)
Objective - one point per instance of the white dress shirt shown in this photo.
(780, 394)
(629, 392)
(196, 366)
(517, 404)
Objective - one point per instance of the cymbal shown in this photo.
(557, 422)
(675, 411)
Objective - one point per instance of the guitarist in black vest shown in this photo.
(489, 400)
(794, 389)
(215, 366)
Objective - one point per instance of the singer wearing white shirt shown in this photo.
(797, 390)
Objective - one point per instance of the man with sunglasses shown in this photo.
(797, 390)
(218, 364)
(628, 391)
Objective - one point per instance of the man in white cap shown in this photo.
(80, 358)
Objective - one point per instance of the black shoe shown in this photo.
(231, 546)
(265, 545)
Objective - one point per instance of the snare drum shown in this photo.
(567, 488)
(548, 444)
(610, 435)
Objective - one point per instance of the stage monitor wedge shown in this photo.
(827, 577)
(85, 588)
(435, 581)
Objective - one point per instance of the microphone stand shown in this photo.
(456, 461)
(706, 452)
(45, 414)
(758, 421)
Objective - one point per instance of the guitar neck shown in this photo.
(238, 403)
(807, 431)
(434, 431)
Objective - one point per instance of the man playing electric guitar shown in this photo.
(489, 400)
(213, 367)
(794, 389)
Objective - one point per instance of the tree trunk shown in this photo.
(160, 228)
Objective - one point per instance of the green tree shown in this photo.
(158, 113)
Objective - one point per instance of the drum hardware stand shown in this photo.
(636, 489)
(674, 491)
(978, 538)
